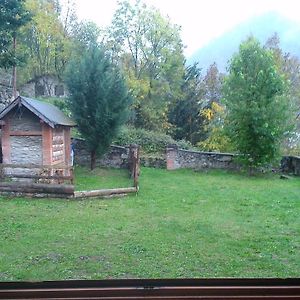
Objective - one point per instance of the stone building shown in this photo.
(44, 86)
(35, 132)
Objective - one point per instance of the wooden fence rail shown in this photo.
(54, 173)
(42, 179)
(34, 166)
(155, 289)
(45, 180)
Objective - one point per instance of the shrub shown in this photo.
(150, 141)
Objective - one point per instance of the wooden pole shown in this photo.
(14, 83)
(101, 193)
(27, 187)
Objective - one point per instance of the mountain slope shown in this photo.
(221, 49)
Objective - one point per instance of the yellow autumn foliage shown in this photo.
(217, 140)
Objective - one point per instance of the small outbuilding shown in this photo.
(35, 132)
(45, 86)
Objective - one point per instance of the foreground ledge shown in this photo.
(154, 289)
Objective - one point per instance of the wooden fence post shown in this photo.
(134, 164)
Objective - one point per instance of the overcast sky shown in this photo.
(200, 20)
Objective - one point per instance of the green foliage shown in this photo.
(13, 16)
(197, 93)
(150, 141)
(44, 41)
(217, 139)
(150, 51)
(98, 100)
(289, 66)
(257, 107)
(185, 115)
(84, 34)
(212, 84)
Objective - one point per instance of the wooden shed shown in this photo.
(35, 132)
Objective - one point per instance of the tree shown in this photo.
(149, 49)
(85, 34)
(212, 84)
(216, 139)
(98, 100)
(185, 114)
(289, 67)
(13, 15)
(44, 40)
(257, 110)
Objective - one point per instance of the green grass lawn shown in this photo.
(85, 179)
(182, 224)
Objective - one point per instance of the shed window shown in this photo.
(59, 90)
(39, 89)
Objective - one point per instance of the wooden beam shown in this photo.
(27, 187)
(33, 166)
(25, 133)
(104, 192)
(62, 177)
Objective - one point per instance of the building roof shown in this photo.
(47, 112)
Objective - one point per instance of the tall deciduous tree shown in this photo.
(13, 15)
(257, 110)
(150, 50)
(44, 40)
(99, 99)
(212, 84)
(289, 66)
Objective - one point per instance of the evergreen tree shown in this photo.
(257, 110)
(185, 116)
(99, 99)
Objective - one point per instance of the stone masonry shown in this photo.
(179, 158)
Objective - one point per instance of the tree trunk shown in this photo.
(14, 83)
(251, 171)
(93, 159)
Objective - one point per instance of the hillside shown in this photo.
(221, 49)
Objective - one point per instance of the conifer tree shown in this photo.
(99, 99)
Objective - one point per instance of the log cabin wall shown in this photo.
(27, 140)
(22, 138)
(58, 145)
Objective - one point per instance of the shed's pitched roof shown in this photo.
(45, 111)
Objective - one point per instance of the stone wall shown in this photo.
(179, 158)
(6, 96)
(291, 165)
(6, 92)
(154, 161)
(26, 150)
(174, 159)
(117, 157)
